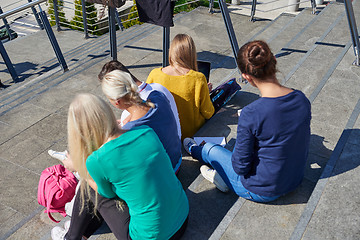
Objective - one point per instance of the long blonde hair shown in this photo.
(118, 84)
(182, 52)
(90, 124)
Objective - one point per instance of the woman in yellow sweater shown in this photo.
(188, 86)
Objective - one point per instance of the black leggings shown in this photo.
(86, 223)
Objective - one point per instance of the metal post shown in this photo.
(112, 29)
(56, 14)
(118, 20)
(211, 6)
(166, 45)
(253, 9)
(36, 17)
(8, 63)
(84, 15)
(6, 26)
(353, 30)
(229, 28)
(313, 6)
(53, 40)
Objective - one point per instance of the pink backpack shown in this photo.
(56, 187)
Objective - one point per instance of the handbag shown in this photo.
(56, 187)
(109, 3)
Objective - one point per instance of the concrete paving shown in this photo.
(313, 56)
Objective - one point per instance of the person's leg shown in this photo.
(181, 231)
(117, 219)
(83, 223)
(220, 159)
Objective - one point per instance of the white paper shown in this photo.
(217, 140)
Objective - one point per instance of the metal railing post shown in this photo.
(84, 15)
(313, 6)
(8, 62)
(253, 9)
(166, 45)
(229, 28)
(112, 29)
(56, 14)
(36, 17)
(353, 30)
(53, 40)
(211, 6)
(118, 20)
(6, 26)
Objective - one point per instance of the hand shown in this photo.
(68, 164)
(119, 123)
(210, 86)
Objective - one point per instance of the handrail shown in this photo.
(45, 23)
(21, 8)
(353, 30)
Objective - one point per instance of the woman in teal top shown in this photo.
(128, 165)
(136, 168)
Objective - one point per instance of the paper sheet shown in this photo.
(217, 140)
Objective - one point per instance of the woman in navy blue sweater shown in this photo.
(273, 135)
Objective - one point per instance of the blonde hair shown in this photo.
(90, 123)
(120, 85)
(182, 52)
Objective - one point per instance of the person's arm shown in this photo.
(68, 163)
(92, 184)
(150, 78)
(243, 153)
(206, 107)
(100, 183)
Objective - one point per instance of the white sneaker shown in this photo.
(58, 155)
(188, 143)
(214, 177)
(58, 233)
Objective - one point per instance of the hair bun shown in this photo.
(258, 56)
(255, 58)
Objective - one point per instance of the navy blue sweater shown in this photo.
(162, 121)
(272, 144)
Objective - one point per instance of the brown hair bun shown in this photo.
(255, 58)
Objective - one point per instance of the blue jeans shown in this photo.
(220, 159)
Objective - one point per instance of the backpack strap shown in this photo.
(49, 201)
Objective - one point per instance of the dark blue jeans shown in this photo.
(220, 159)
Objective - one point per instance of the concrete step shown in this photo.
(33, 126)
(25, 25)
(332, 199)
(20, 94)
(200, 191)
(35, 117)
(278, 220)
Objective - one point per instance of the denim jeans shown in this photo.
(220, 159)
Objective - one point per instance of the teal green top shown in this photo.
(136, 168)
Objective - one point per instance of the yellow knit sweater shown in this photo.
(191, 95)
